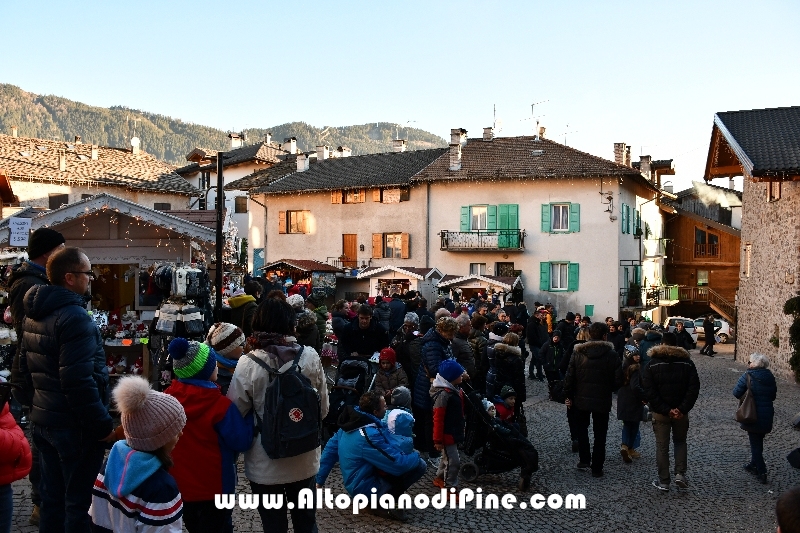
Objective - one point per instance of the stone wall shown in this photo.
(773, 230)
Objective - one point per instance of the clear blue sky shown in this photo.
(651, 74)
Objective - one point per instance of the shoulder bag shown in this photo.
(746, 413)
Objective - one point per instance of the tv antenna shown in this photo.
(535, 118)
(405, 126)
(128, 120)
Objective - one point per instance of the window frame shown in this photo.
(472, 217)
(564, 208)
(481, 269)
(162, 206)
(236, 205)
(565, 266)
(773, 191)
(397, 247)
(54, 197)
(353, 196)
(303, 229)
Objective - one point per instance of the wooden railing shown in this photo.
(724, 306)
(709, 296)
(706, 250)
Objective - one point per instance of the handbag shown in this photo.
(746, 413)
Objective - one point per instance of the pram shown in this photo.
(495, 447)
(354, 377)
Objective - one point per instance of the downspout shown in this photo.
(265, 230)
(427, 223)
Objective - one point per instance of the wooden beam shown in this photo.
(730, 170)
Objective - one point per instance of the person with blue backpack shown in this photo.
(276, 360)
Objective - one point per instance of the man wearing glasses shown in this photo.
(66, 384)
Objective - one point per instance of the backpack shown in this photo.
(292, 413)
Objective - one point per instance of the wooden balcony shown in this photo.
(504, 240)
(706, 250)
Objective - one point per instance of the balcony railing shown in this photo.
(649, 297)
(508, 240)
(706, 250)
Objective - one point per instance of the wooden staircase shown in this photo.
(711, 297)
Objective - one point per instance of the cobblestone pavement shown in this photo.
(721, 497)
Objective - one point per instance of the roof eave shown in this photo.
(744, 160)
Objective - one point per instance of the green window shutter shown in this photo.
(626, 274)
(638, 227)
(628, 221)
(572, 277)
(637, 275)
(623, 216)
(513, 216)
(491, 218)
(502, 216)
(545, 218)
(544, 276)
(574, 218)
(465, 221)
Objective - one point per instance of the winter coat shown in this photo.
(134, 493)
(670, 381)
(397, 309)
(462, 351)
(653, 338)
(15, 453)
(364, 447)
(243, 309)
(594, 373)
(306, 329)
(321, 313)
(618, 340)
(448, 412)
(764, 390)
(684, 340)
(383, 314)
(536, 333)
(215, 432)
(552, 354)
(386, 381)
(21, 279)
(339, 320)
(402, 349)
(630, 396)
(507, 368)
(709, 332)
(435, 349)
(63, 363)
(362, 341)
(477, 342)
(247, 393)
(567, 330)
(400, 422)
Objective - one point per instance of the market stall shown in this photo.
(388, 280)
(462, 288)
(304, 277)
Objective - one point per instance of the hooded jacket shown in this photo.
(321, 314)
(383, 315)
(134, 493)
(435, 349)
(506, 368)
(397, 309)
(243, 308)
(22, 278)
(764, 390)
(652, 339)
(63, 363)
(363, 447)
(388, 380)
(15, 453)
(631, 396)
(362, 341)
(462, 351)
(670, 381)
(400, 422)
(448, 412)
(594, 373)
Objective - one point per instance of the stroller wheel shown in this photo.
(469, 472)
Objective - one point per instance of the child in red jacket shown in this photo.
(215, 431)
(448, 420)
(15, 457)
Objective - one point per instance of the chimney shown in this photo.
(302, 162)
(290, 145)
(399, 145)
(628, 161)
(268, 138)
(95, 153)
(135, 146)
(730, 184)
(323, 152)
(78, 139)
(236, 140)
(344, 151)
(542, 129)
(62, 161)
(622, 154)
(243, 135)
(488, 134)
(14, 131)
(644, 166)
(455, 156)
(458, 136)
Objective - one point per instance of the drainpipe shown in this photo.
(427, 224)
(265, 230)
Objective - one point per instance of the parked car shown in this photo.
(688, 325)
(725, 333)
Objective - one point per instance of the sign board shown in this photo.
(391, 196)
(19, 230)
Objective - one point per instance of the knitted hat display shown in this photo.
(507, 392)
(42, 241)
(150, 419)
(224, 338)
(401, 397)
(450, 370)
(387, 354)
(192, 359)
(296, 301)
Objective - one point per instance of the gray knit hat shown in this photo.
(224, 338)
(150, 419)
(401, 397)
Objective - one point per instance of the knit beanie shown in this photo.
(507, 392)
(150, 419)
(500, 328)
(224, 338)
(42, 241)
(296, 301)
(556, 333)
(192, 359)
(425, 324)
(387, 354)
(450, 370)
(306, 320)
(411, 318)
(401, 397)
(570, 317)
(638, 334)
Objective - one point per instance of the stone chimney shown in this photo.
(488, 134)
(14, 131)
(622, 154)
(399, 145)
(542, 129)
(78, 139)
(62, 161)
(302, 162)
(344, 151)
(290, 145)
(95, 152)
(458, 136)
(644, 166)
(268, 138)
(135, 146)
(236, 140)
(323, 152)
(455, 156)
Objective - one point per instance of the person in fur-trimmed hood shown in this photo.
(508, 368)
(671, 386)
(594, 373)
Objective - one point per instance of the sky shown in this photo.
(650, 74)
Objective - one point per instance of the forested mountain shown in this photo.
(170, 139)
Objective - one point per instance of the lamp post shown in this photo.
(220, 241)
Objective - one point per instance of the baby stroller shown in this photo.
(495, 447)
(354, 377)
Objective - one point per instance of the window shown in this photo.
(500, 217)
(748, 250)
(391, 196)
(85, 196)
(162, 206)
(293, 221)
(702, 277)
(57, 200)
(355, 196)
(706, 244)
(391, 245)
(558, 276)
(773, 191)
(561, 218)
(478, 217)
(240, 204)
(205, 180)
(505, 269)
(477, 269)
(201, 204)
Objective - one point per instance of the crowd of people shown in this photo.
(175, 450)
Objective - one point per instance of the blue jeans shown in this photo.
(6, 507)
(757, 452)
(69, 465)
(630, 435)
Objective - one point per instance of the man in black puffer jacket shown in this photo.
(594, 374)
(66, 383)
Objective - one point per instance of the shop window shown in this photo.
(558, 276)
(57, 200)
(240, 204)
(162, 206)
